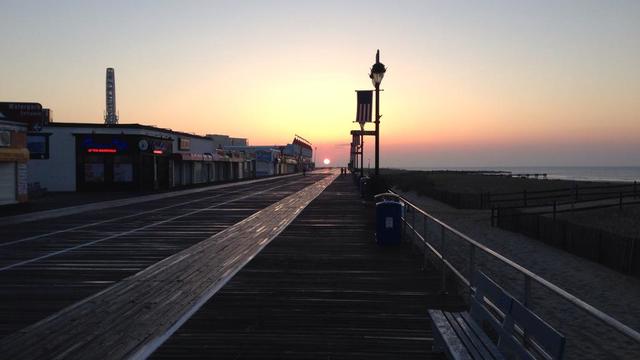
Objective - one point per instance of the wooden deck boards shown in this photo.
(33, 291)
(121, 320)
(321, 290)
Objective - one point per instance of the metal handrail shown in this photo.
(582, 305)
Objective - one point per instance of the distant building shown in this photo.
(13, 162)
(132, 157)
(222, 141)
(280, 159)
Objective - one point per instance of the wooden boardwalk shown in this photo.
(134, 316)
(49, 265)
(321, 290)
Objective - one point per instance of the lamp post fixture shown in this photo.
(377, 73)
(361, 149)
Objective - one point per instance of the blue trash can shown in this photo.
(388, 219)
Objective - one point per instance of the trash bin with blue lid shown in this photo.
(388, 219)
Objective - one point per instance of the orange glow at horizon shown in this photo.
(458, 79)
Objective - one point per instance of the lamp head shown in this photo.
(377, 71)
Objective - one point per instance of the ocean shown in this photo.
(582, 173)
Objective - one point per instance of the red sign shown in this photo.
(109, 151)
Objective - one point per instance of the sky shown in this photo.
(469, 83)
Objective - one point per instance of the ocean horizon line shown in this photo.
(576, 173)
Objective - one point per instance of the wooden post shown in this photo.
(554, 211)
(620, 200)
(524, 197)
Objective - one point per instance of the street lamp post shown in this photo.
(377, 73)
(361, 149)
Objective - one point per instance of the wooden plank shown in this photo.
(36, 290)
(481, 341)
(453, 345)
(122, 320)
(461, 335)
(322, 289)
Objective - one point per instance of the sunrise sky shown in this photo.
(469, 83)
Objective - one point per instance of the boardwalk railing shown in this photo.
(449, 247)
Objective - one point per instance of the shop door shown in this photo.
(7, 183)
(147, 174)
(162, 168)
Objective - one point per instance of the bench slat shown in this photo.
(489, 349)
(542, 339)
(465, 335)
(447, 337)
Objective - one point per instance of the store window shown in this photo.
(122, 169)
(38, 146)
(94, 169)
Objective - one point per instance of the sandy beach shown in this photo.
(609, 291)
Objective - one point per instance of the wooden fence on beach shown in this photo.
(575, 193)
(621, 253)
(529, 198)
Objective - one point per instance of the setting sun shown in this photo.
(327, 161)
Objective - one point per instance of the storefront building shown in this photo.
(13, 162)
(107, 162)
(127, 157)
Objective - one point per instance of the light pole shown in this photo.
(361, 149)
(377, 73)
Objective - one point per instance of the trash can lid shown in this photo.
(386, 197)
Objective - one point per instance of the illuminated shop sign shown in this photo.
(101, 150)
(110, 145)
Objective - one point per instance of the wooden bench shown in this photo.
(496, 327)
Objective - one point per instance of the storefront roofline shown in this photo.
(125, 126)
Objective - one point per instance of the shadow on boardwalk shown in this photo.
(321, 289)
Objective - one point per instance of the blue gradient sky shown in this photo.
(483, 83)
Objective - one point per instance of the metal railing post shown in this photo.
(472, 263)
(424, 237)
(413, 226)
(443, 284)
(526, 303)
(527, 291)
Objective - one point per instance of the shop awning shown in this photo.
(189, 156)
(13, 154)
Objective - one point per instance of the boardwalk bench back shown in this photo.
(496, 327)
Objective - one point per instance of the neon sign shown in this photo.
(157, 152)
(110, 144)
(100, 150)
